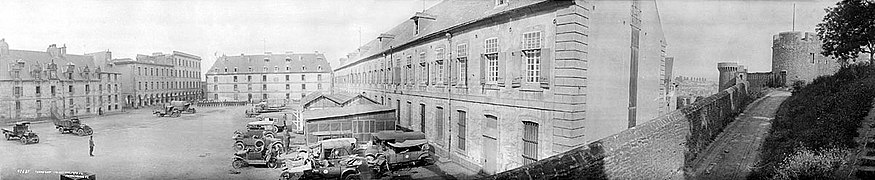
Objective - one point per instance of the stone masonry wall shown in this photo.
(663, 148)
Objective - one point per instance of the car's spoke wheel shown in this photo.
(36, 140)
(238, 163)
(23, 140)
(238, 146)
(8, 137)
(352, 177)
(80, 132)
(88, 131)
(278, 148)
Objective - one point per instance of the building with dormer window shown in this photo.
(295, 75)
(159, 78)
(53, 84)
(498, 84)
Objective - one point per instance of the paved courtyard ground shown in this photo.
(138, 145)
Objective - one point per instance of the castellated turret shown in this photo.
(798, 54)
(728, 73)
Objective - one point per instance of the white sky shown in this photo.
(699, 33)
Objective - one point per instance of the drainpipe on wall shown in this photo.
(449, 93)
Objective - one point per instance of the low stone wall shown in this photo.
(663, 148)
(766, 79)
(220, 103)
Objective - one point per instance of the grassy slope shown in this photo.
(823, 114)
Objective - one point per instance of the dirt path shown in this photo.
(735, 151)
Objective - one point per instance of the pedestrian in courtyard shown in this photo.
(91, 145)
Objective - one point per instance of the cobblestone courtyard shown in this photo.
(138, 145)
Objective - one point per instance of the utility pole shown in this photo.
(794, 17)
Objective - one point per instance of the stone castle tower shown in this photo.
(798, 54)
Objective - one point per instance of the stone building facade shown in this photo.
(54, 84)
(798, 54)
(275, 78)
(159, 78)
(498, 84)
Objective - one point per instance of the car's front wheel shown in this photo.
(238, 163)
(355, 176)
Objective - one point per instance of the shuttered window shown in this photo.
(462, 54)
(530, 142)
(532, 53)
(439, 124)
(462, 128)
(491, 53)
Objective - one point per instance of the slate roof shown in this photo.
(257, 62)
(341, 99)
(447, 14)
(344, 111)
(37, 63)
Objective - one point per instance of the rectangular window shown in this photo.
(16, 91)
(263, 77)
(303, 86)
(319, 86)
(409, 115)
(439, 124)
(235, 87)
(422, 118)
(530, 142)
(264, 87)
(492, 67)
(463, 127)
(287, 77)
(462, 56)
(53, 90)
(235, 78)
(491, 46)
(288, 87)
(303, 77)
(248, 78)
(532, 40)
(533, 65)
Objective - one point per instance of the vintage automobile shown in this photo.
(78, 176)
(255, 131)
(334, 159)
(259, 151)
(21, 132)
(167, 111)
(73, 125)
(183, 106)
(393, 149)
(262, 108)
(295, 163)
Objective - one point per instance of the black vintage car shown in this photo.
(21, 132)
(333, 159)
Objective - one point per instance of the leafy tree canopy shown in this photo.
(848, 29)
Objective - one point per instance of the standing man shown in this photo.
(91, 146)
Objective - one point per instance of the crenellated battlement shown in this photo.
(794, 37)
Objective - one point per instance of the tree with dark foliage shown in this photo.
(848, 29)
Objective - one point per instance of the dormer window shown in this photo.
(288, 68)
(303, 68)
(416, 26)
(250, 69)
(226, 69)
(319, 68)
(288, 59)
(266, 59)
(264, 69)
(500, 2)
(235, 69)
(276, 68)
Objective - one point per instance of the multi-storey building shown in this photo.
(275, 78)
(159, 78)
(498, 84)
(54, 84)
